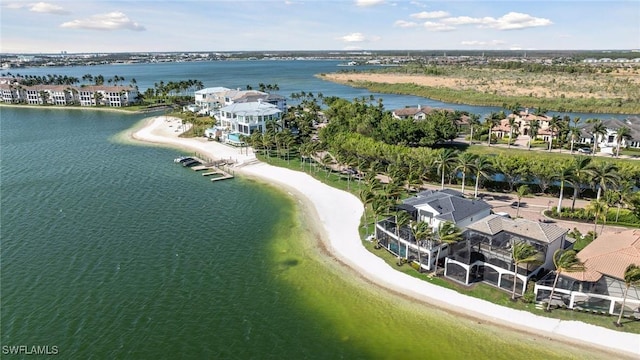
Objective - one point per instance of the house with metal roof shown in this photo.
(486, 254)
(600, 287)
(433, 207)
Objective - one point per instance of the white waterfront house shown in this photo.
(210, 100)
(245, 118)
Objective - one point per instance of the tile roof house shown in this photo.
(433, 207)
(601, 285)
(487, 253)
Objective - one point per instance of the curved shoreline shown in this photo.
(339, 214)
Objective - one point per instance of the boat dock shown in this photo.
(217, 171)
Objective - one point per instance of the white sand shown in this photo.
(339, 214)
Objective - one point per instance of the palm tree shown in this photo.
(554, 123)
(448, 233)
(599, 208)
(534, 127)
(444, 160)
(564, 261)
(366, 196)
(603, 175)
(598, 128)
(466, 164)
(490, 122)
(512, 124)
(421, 231)
(522, 191)
(523, 253)
(483, 169)
(631, 278)
(564, 175)
(623, 133)
(402, 218)
(582, 172)
(474, 120)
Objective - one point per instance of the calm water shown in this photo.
(110, 250)
(291, 76)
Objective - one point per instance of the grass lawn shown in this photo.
(480, 290)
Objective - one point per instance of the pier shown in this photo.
(216, 168)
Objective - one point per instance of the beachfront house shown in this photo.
(247, 117)
(433, 207)
(486, 254)
(210, 99)
(600, 287)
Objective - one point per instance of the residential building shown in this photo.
(114, 96)
(414, 113)
(486, 254)
(211, 99)
(433, 208)
(609, 141)
(245, 118)
(600, 287)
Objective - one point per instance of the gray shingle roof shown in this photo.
(449, 204)
(494, 224)
(632, 122)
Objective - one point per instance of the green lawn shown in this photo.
(480, 290)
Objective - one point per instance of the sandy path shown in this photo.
(339, 214)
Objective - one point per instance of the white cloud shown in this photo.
(110, 21)
(47, 8)
(463, 20)
(430, 15)
(435, 26)
(359, 37)
(405, 24)
(509, 21)
(482, 43)
(514, 20)
(353, 37)
(367, 3)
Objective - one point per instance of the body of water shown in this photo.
(291, 76)
(110, 250)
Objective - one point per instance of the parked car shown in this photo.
(584, 150)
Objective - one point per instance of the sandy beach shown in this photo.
(338, 215)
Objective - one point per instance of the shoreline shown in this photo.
(337, 227)
(91, 108)
(361, 79)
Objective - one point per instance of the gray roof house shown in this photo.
(609, 141)
(433, 207)
(486, 254)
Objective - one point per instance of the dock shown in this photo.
(215, 168)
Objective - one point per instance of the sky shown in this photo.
(87, 26)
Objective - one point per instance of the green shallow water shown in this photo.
(113, 251)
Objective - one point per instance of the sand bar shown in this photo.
(339, 213)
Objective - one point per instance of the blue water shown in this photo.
(291, 76)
